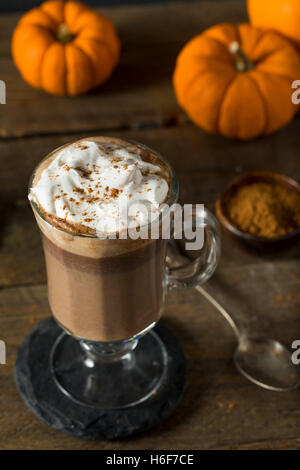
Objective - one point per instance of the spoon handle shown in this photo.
(220, 309)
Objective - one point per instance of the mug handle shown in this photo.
(186, 267)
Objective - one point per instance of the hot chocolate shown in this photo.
(101, 289)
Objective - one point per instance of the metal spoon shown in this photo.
(263, 361)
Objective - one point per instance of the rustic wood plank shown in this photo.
(220, 408)
(212, 162)
(140, 91)
(280, 444)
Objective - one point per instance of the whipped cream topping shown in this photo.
(106, 187)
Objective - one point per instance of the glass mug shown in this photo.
(107, 295)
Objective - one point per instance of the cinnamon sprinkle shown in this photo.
(81, 146)
(114, 193)
(78, 190)
(84, 171)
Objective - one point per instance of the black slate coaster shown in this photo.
(43, 397)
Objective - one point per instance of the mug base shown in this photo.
(109, 383)
(40, 384)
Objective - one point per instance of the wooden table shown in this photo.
(221, 409)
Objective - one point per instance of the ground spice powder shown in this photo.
(265, 209)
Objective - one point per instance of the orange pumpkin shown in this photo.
(280, 15)
(236, 80)
(65, 48)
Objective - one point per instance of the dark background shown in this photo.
(22, 5)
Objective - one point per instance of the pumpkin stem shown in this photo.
(63, 34)
(243, 63)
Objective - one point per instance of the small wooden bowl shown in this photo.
(247, 238)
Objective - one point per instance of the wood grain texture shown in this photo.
(220, 409)
(139, 93)
(204, 165)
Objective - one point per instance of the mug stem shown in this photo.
(99, 352)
